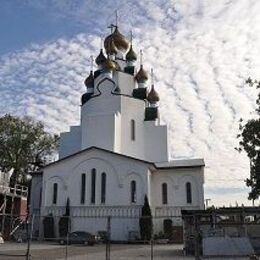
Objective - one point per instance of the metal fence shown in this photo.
(53, 235)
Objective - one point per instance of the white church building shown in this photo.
(118, 154)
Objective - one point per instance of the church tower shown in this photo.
(119, 111)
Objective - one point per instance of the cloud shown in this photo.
(201, 52)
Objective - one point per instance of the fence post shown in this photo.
(29, 235)
(108, 238)
(151, 241)
(197, 242)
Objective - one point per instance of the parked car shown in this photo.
(79, 237)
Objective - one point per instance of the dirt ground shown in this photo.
(53, 251)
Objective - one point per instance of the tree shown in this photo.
(24, 146)
(249, 137)
(146, 222)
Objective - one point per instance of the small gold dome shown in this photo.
(109, 65)
(111, 47)
(153, 96)
(131, 55)
(141, 75)
(89, 81)
(100, 58)
(119, 39)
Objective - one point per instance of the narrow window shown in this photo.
(164, 193)
(133, 191)
(132, 130)
(188, 192)
(55, 193)
(103, 187)
(83, 188)
(93, 186)
(40, 199)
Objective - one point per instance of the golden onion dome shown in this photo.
(89, 81)
(119, 39)
(109, 65)
(141, 75)
(100, 58)
(153, 96)
(131, 55)
(111, 47)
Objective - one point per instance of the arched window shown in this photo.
(55, 193)
(103, 187)
(93, 186)
(133, 191)
(188, 192)
(132, 130)
(164, 193)
(83, 188)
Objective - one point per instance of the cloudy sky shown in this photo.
(201, 51)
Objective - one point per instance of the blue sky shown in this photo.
(23, 23)
(201, 51)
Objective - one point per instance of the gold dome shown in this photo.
(109, 65)
(131, 55)
(153, 96)
(141, 75)
(119, 39)
(100, 58)
(111, 47)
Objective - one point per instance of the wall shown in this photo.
(70, 142)
(35, 194)
(156, 142)
(120, 171)
(176, 180)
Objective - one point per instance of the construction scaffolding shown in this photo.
(13, 203)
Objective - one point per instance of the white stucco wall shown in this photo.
(106, 123)
(70, 142)
(176, 180)
(120, 171)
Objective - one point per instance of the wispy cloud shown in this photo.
(201, 52)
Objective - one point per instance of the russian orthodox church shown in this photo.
(118, 154)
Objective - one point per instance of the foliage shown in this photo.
(64, 221)
(146, 222)
(249, 141)
(24, 146)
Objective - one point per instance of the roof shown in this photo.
(101, 149)
(157, 165)
(184, 163)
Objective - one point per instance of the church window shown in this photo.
(83, 188)
(55, 193)
(164, 193)
(132, 130)
(103, 187)
(188, 192)
(93, 186)
(133, 191)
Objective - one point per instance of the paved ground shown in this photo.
(48, 251)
